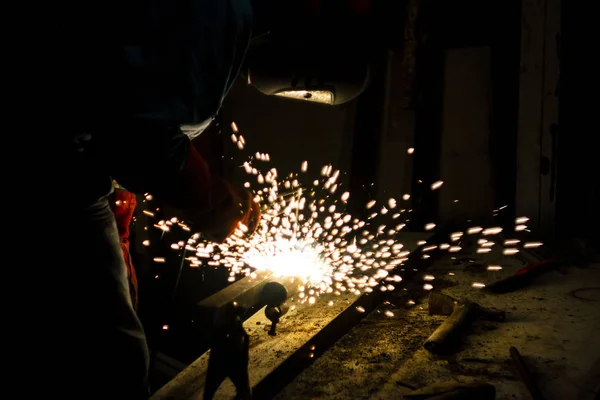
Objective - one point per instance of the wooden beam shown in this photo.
(538, 113)
(466, 167)
(550, 99)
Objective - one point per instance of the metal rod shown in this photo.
(525, 375)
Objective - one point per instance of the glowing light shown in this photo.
(532, 245)
(492, 231)
(288, 258)
(429, 226)
(436, 185)
(474, 230)
(521, 220)
(306, 234)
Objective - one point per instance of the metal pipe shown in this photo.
(525, 374)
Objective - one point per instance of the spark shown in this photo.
(532, 245)
(478, 285)
(474, 230)
(494, 268)
(436, 185)
(521, 220)
(410, 150)
(307, 234)
(491, 231)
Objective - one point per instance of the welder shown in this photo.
(121, 88)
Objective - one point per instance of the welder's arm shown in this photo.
(160, 159)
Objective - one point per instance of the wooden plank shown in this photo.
(528, 188)
(465, 154)
(550, 98)
(295, 331)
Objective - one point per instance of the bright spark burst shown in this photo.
(306, 233)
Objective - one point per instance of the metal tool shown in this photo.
(525, 375)
(274, 295)
(455, 391)
(461, 314)
(522, 277)
(229, 354)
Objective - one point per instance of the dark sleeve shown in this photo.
(144, 156)
(158, 159)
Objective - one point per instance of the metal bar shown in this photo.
(529, 150)
(246, 292)
(549, 117)
(304, 356)
(525, 374)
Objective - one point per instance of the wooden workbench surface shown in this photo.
(552, 322)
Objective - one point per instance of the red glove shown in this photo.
(236, 207)
(123, 205)
(213, 205)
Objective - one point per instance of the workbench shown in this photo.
(553, 322)
(555, 331)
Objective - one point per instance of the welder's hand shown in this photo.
(234, 206)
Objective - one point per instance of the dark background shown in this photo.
(350, 137)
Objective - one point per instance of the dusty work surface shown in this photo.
(554, 323)
(294, 331)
